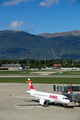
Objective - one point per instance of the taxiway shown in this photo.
(27, 109)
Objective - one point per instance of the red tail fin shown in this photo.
(30, 84)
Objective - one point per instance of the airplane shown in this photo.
(68, 68)
(47, 68)
(44, 98)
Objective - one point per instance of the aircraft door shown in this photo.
(59, 99)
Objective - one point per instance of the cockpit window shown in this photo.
(65, 98)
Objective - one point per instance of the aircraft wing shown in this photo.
(20, 96)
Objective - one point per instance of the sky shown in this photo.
(40, 16)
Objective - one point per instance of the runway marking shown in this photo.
(22, 107)
(67, 108)
(3, 101)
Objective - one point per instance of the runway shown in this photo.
(27, 109)
(62, 76)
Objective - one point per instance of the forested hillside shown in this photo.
(22, 45)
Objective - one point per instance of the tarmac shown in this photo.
(29, 109)
(58, 76)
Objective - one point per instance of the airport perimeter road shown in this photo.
(27, 109)
(62, 76)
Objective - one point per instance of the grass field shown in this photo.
(42, 80)
(51, 80)
(30, 72)
(67, 73)
(22, 72)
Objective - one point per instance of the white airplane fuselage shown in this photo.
(48, 97)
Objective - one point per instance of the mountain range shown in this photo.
(22, 45)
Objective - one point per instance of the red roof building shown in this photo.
(57, 65)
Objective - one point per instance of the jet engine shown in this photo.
(43, 102)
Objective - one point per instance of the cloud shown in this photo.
(49, 3)
(17, 25)
(15, 2)
(72, 1)
(31, 28)
(45, 3)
